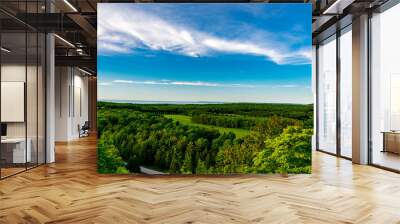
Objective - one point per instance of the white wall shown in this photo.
(80, 109)
(71, 102)
(14, 72)
(62, 82)
(33, 127)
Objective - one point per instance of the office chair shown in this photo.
(84, 130)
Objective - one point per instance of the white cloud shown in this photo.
(121, 30)
(196, 83)
(161, 82)
(175, 83)
(105, 83)
(123, 81)
(111, 47)
(243, 48)
(286, 86)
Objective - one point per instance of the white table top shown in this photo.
(13, 140)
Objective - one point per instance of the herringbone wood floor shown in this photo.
(70, 191)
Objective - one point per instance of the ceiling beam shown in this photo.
(78, 61)
(86, 27)
(49, 22)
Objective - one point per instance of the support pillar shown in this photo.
(360, 89)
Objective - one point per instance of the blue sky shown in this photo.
(205, 52)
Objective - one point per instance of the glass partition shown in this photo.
(23, 91)
(327, 95)
(31, 98)
(41, 96)
(14, 153)
(346, 92)
(385, 89)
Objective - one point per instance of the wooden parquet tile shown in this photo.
(70, 191)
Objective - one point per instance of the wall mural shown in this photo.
(204, 88)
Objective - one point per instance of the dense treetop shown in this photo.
(131, 136)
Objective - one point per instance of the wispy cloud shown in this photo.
(178, 83)
(123, 81)
(194, 84)
(286, 86)
(105, 84)
(123, 29)
(161, 82)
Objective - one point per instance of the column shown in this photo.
(360, 90)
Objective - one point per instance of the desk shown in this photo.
(391, 141)
(16, 147)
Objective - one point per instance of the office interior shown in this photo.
(49, 85)
(44, 86)
(357, 84)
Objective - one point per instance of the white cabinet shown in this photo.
(18, 145)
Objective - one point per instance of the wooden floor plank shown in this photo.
(70, 191)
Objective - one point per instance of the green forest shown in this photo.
(226, 138)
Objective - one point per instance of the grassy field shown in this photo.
(186, 120)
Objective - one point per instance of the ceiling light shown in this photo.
(5, 50)
(331, 7)
(64, 40)
(70, 5)
(337, 7)
(79, 51)
(84, 71)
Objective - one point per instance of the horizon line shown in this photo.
(191, 102)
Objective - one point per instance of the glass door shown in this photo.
(385, 89)
(14, 153)
(346, 92)
(22, 78)
(327, 95)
